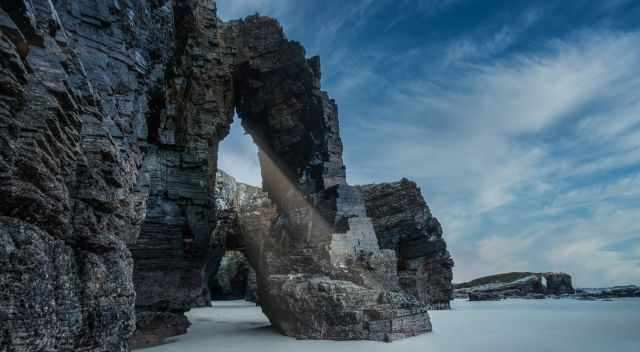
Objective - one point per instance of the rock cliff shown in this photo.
(69, 164)
(111, 113)
(403, 223)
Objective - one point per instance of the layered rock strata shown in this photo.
(110, 117)
(69, 163)
(403, 223)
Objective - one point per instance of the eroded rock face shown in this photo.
(403, 223)
(363, 290)
(110, 117)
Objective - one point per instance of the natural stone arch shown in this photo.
(321, 228)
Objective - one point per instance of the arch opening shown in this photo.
(238, 155)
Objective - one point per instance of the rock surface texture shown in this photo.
(69, 163)
(111, 113)
(403, 223)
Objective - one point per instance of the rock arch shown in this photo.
(320, 271)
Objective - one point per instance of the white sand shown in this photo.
(550, 325)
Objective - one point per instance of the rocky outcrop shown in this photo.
(558, 284)
(403, 223)
(516, 284)
(110, 117)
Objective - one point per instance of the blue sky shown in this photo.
(520, 121)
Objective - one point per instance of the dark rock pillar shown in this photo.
(403, 223)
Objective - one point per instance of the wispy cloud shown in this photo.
(525, 129)
(487, 116)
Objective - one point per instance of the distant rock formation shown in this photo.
(515, 284)
(536, 286)
(557, 284)
(403, 222)
(608, 292)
